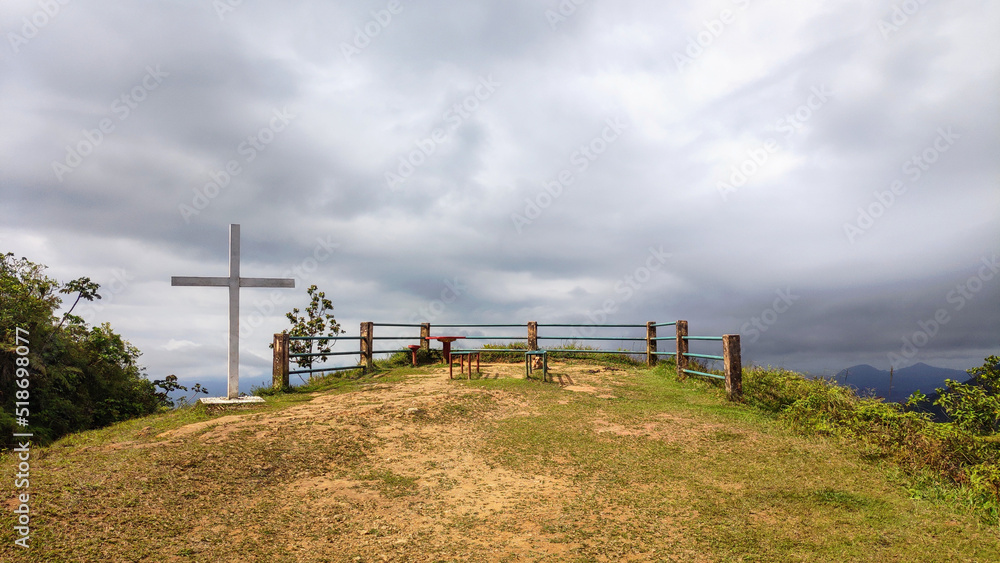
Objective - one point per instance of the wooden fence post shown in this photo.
(367, 330)
(279, 373)
(532, 335)
(682, 348)
(734, 366)
(651, 343)
(425, 331)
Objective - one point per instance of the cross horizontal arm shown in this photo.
(267, 282)
(200, 281)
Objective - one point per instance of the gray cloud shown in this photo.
(322, 176)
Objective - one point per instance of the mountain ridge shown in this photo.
(867, 379)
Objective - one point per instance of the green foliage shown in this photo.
(964, 452)
(487, 356)
(80, 377)
(84, 289)
(974, 407)
(169, 384)
(404, 357)
(566, 352)
(318, 321)
(774, 390)
(27, 298)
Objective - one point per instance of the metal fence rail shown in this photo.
(589, 325)
(342, 368)
(701, 373)
(479, 325)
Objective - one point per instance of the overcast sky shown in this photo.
(821, 177)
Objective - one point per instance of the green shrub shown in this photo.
(965, 452)
(773, 390)
(976, 406)
(404, 358)
(509, 357)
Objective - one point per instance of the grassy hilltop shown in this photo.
(610, 462)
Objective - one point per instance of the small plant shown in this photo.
(169, 384)
(318, 322)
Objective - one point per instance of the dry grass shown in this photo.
(605, 464)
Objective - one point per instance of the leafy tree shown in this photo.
(317, 322)
(974, 406)
(84, 289)
(27, 297)
(79, 377)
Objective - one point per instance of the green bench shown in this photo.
(545, 363)
(462, 355)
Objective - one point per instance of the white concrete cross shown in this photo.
(234, 282)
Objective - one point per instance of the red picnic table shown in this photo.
(446, 343)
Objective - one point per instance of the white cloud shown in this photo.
(175, 345)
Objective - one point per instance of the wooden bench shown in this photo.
(545, 363)
(462, 355)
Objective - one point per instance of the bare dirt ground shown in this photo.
(434, 497)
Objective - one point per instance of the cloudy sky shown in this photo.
(821, 177)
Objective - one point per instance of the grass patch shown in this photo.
(935, 454)
(391, 484)
(631, 465)
(786, 494)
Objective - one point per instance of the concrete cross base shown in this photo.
(236, 401)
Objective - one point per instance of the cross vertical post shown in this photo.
(233, 385)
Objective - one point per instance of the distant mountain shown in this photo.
(867, 380)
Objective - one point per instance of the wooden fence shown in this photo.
(731, 354)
